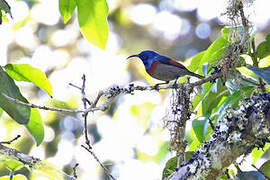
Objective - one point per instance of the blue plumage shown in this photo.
(162, 67)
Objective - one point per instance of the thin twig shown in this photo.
(211, 124)
(9, 142)
(87, 141)
(100, 163)
(73, 85)
(99, 108)
(41, 107)
(11, 175)
(74, 170)
(85, 114)
(83, 93)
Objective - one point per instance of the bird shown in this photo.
(162, 67)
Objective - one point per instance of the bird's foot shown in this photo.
(175, 85)
(156, 87)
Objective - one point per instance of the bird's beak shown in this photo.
(132, 56)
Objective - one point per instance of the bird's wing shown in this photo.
(168, 61)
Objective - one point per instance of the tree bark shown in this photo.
(236, 134)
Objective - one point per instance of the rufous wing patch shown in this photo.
(175, 63)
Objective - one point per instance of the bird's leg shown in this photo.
(175, 85)
(156, 86)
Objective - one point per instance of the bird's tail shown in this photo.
(196, 75)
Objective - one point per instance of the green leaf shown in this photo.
(67, 8)
(214, 52)
(225, 33)
(92, 15)
(263, 49)
(1, 112)
(1, 16)
(257, 153)
(192, 65)
(11, 164)
(231, 100)
(15, 177)
(195, 142)
(195, 61)
(247, 72)
(169, 167)
(228, 32)
(265, 168)
(35, 126)
(265, 62)
(5, 7)
(25, 72)
(232, 85)
(188, 155)
(162, 152)
(250, 175)
(19, 113)
(200, 126)
(212, 99)
(264, 73)
(206, 88)
(48, 170)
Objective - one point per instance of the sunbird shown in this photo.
(163, 68)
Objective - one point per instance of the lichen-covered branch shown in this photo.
(7, 154)
(17, 155)
(110, 94)
(236, 134)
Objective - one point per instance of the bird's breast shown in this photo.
(151, 70)
(163, 71)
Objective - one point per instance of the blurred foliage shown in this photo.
(209, 103)
(4, 9)
(169, 167)
(250, 175)
(265, 168)
(11, 164)
(16, 177)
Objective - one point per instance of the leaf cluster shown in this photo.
(211, 102)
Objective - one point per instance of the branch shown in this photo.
(74, 170)
(100, 163)
(110, 93)
(85, 114)
(238, 132)
(19, 156)
(10, 141)
(30, 161)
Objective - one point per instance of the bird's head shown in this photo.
(147, 57)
